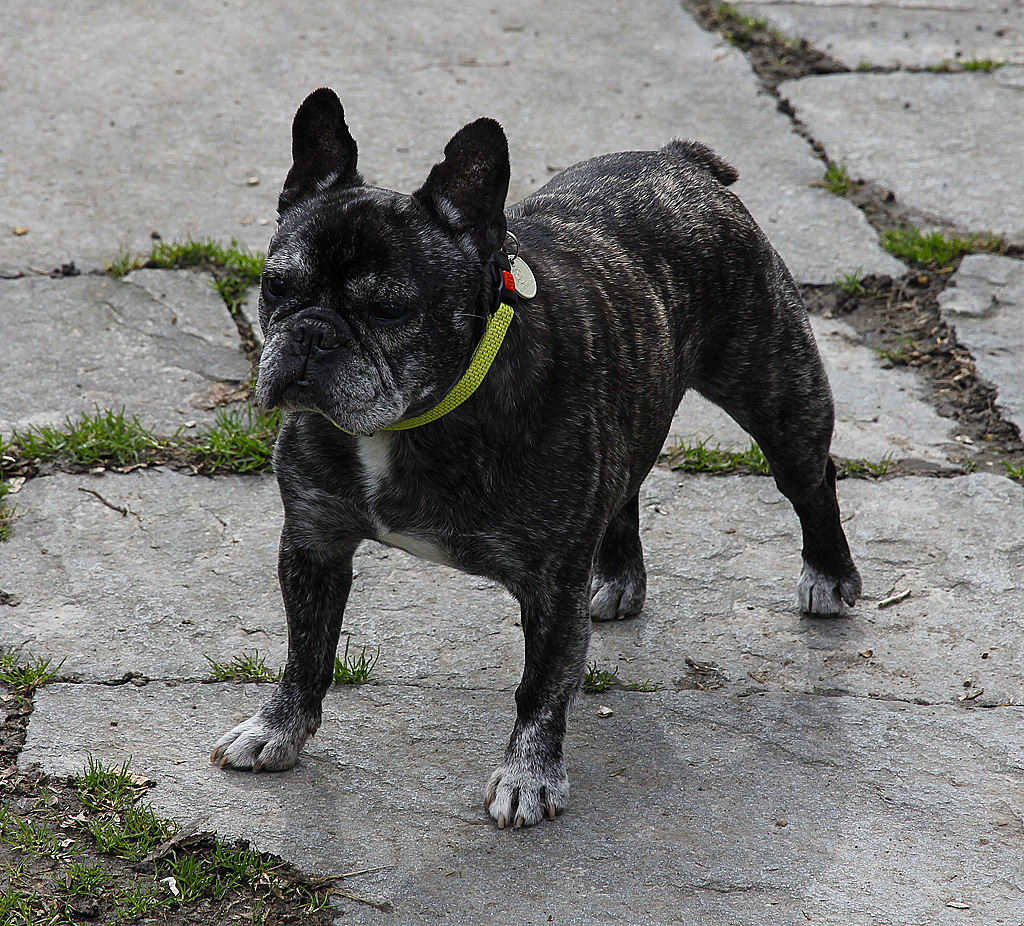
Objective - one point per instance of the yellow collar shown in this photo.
(480, 363)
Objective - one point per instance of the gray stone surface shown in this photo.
(945, 144)
(687, 807)
(986, 308)
(112, 130)
(911, 33)
(190, 573)
(870, 425)
(155, 343)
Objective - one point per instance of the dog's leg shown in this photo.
(806, 475)
(315, 589)
(785, 404)
(829, 576)
(531, 782)
(619, 586)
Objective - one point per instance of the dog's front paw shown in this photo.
(260, 745)
(523, 795)
(616, 597)
(823, 593)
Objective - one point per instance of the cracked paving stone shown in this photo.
(908, 33)
(190, 573)
(985, 306)
(632, 77)
(722, 809)
(155, 344)
(948, 145)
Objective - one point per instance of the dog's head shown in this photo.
(372, 300)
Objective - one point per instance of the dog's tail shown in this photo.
(702, 156)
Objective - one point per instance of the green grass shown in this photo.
(931, 250)
(240, 440)
(1014, 472)
(865, 468)
(646, 685)
(850, 282)
(981, 64)
(353, 669)
(971, 64)
(23, 675)
(235, 259)
(596, 680)
(837, 179)
(742, 26)
(90, 880)
(7, 511)
(244, 668)
(897, 355)
(105, 436)
(700, 458)
(91, 850)
(28, 837)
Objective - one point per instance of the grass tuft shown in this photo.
(241, 439)
(93, 851)
(865, 468)
(24, 675)
(7, 511)
(899, 355)
(700, 458)
(352, 669)
(106, 436)
(837, 179)
(1014, 472)
(235, 259)
(244, 668)
(597, 680)
(851, 282)
(932, 250)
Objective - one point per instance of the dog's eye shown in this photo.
(387, 311)
(275, 287)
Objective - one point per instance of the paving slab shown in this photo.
(985, 306)
(879, 413)
(687, 807)
(190, 573)
(947, 145)
(111, 133)
(907, 33)
(155, 343)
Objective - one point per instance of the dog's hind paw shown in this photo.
(823, 593)
(613, 598)
(520, 795)
(259, 745)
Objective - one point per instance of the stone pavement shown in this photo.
(866, 769)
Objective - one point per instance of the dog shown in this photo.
(430, 406)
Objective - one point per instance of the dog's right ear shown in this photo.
(323, 150)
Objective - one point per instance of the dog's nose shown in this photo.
(315, 339)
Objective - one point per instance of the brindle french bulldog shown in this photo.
(651, 279)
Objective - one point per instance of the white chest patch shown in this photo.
(375, 457)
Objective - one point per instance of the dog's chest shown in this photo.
(378, 485)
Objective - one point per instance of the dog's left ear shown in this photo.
(467, 190)
(323, 150)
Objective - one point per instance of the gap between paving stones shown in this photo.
(913, 323)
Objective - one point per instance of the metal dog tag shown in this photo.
(526, 282)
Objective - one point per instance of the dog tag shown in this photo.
(526, 282)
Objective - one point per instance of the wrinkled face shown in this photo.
(367, 308)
